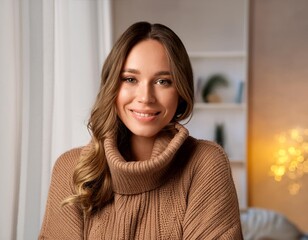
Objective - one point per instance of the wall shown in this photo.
(278, 87)
(203, 25)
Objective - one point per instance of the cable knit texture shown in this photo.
(184, 191)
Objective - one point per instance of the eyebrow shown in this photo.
(162, 73)
(130, 70)
(135, 71)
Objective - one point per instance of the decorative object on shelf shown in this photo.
(240, 92)
(208, 90)
(219, 134)
(291, 158)
(198, 90)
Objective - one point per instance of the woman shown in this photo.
(142, 176)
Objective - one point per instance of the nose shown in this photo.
(145, 93)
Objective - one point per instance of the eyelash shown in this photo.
(164, 82)
(128, 79)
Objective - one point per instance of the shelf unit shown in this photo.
(230, 113)
(221, 106)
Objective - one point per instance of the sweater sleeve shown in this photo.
(212, 211)
(62, 222)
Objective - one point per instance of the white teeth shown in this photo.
(144, 114)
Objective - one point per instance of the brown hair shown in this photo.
(91, 179)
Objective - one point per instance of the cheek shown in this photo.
(124, 96)
(171, 101)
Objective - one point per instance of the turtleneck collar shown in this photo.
(141, 176)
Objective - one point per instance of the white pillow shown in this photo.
(264, 224)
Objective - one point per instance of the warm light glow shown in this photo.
(291, 158)
(294, 188)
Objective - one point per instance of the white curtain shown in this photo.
(51, 53)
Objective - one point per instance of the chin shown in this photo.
(145, 132)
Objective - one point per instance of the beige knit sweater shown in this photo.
(184, 191)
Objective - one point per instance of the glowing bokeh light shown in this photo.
(291, 158)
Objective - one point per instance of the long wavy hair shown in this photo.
(91, 179)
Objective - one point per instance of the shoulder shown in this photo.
(66, 163)
(206, 155)
(205, 149)
(68, 160)
(63, 170)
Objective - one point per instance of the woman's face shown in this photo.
(147, 98)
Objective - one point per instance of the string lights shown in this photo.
(291, 158)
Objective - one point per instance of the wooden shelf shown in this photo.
(218, 54)
(236, 162)
(222, 106)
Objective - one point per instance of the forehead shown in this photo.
(148, 53)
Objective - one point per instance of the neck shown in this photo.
(141, 147)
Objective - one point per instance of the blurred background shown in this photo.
(251, 81)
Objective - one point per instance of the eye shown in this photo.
(164, 82)
(128, 79)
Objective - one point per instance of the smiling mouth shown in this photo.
(140, 114)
